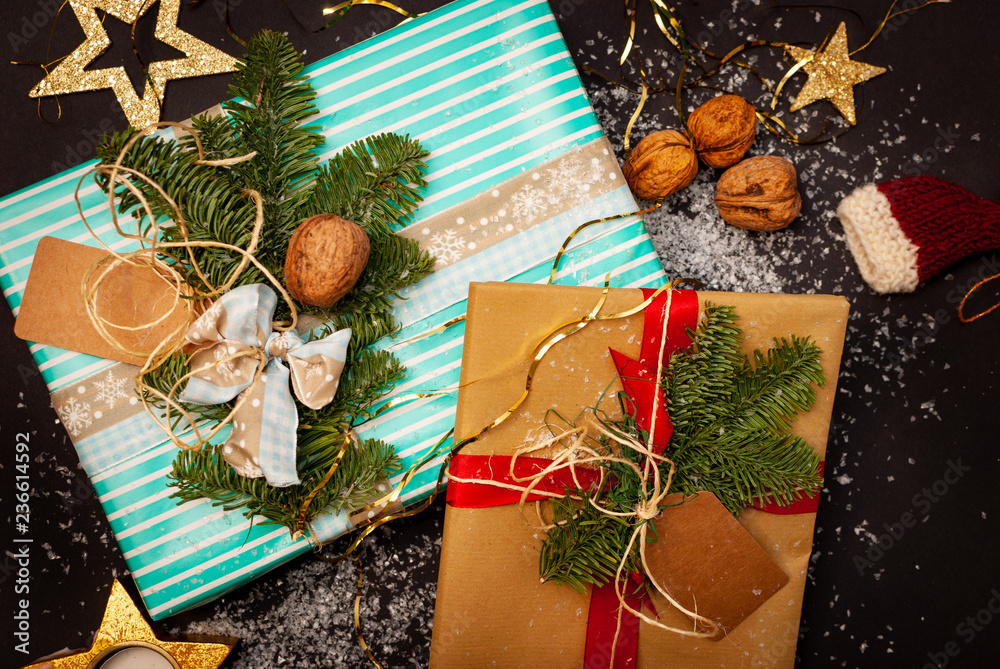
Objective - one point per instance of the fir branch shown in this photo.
(205, 473)
(370, 376)
(396, 262)
(585, 546)
(366, 328)
(375, 182)
(730, 427)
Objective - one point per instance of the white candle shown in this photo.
(136, 658)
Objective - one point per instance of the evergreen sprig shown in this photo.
(584, 546)
(376, 183)
(205, 473)
(731, 415)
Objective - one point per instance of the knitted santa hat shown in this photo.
(906, 231)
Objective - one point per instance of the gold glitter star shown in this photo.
(124, 626)
(70, 76)
(832, 75)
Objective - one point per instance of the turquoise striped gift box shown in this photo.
(518, 160)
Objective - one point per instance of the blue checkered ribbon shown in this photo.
(234, 338)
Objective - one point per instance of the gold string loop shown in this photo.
(961, 307)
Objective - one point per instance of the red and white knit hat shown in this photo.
(906, 231)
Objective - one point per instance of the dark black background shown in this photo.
(902, 352)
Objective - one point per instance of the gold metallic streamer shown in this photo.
(441, 328)
(635, 115)
(229, 28)
(342, 8)
(890, 16)
(630, 11)
(660, 8)
(583, 226)
(779, 128)
(961, 307)
(45, 66)
(788, 75)
(357, 613)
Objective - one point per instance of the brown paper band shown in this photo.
(533, 197)
(98, 401)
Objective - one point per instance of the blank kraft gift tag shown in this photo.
(53, 311)
(709, 563)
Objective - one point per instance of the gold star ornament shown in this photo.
(832, 74)
(71, 75)
(125, 636)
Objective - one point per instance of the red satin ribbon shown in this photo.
(801, 505)
(638, 377)
(602, 620)
(497, 468)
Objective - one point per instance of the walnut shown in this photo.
(326, 256)
(661, 164)
(759, 193)
(723, 129)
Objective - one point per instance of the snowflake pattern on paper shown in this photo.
(447, 247)
(110, 390)
(571, 178)
(75, 415)
(528, 203)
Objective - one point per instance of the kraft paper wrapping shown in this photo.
(492, 609)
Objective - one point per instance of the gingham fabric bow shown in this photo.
(235, 337)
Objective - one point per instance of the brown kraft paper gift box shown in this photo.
(492, 609)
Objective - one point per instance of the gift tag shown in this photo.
(709, 563)
(53, 310)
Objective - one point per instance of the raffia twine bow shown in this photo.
(240, 355)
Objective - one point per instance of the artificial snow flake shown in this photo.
(75, 415)
(110, 390)
(447, 247)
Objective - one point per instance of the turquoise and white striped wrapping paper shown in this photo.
(518, 160)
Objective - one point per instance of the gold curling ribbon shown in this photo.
(961, 307)
(635, 115)
(46, 65)
(341, 9)
(890, 15)
(580, 228)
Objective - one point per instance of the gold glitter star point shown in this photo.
(123, 626)
(71, 75)
(832, 75)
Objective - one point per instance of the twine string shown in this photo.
(159, 256)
